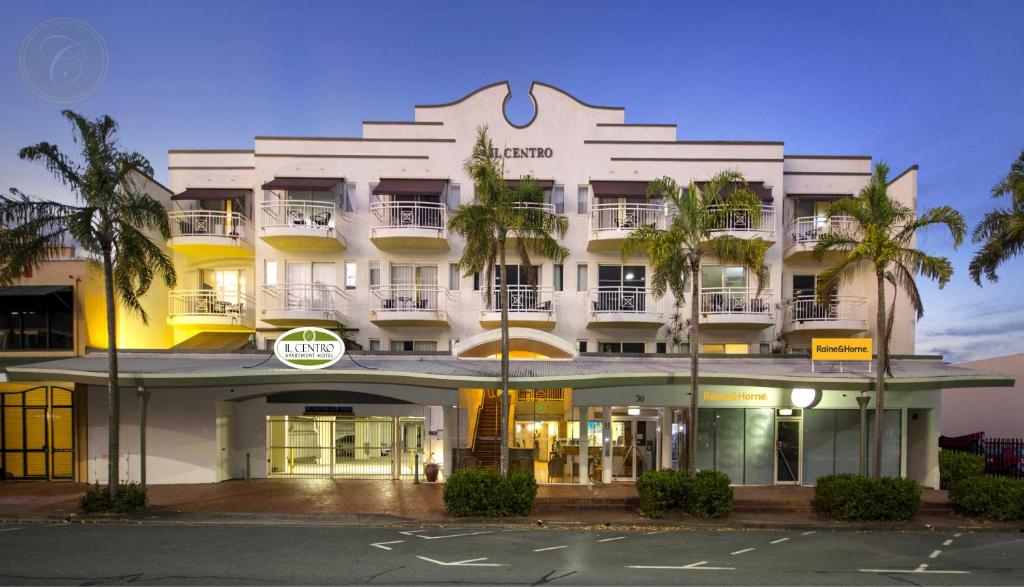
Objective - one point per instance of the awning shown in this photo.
(763, 192)
(32, 290)
(410, 187)
(544, 184)
(302, 183)
(211, 194)
(819, 197)
(215, 340)
(607, 189)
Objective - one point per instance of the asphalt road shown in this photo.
(110, 554)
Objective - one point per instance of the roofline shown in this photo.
(913, 167)
(467, 96)
(858, 157)
(200, 151)
(355, 139)
(404, 122)
(639, 142)
(638, 124)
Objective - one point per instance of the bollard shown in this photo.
(416, 470)
(247, 474)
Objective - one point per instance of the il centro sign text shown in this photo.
(523, 152)
(841, 349)
(309, 347)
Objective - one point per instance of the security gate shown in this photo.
(342, 446)
(37, 433)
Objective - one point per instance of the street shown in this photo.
(102, 554)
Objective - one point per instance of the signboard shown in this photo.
(309, 347)
(840, 349)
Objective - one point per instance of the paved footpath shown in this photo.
(178, 554)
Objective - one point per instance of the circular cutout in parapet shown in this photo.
(519, 107)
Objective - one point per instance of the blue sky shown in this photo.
(939, 84)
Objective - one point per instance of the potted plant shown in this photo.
(431, 469)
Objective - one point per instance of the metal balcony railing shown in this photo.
(735, 300)
(809, 229)
(521, 298)
(623, 216)
(624, 300)
(407, 298)
(835, 309)
(744, 221)
(315, 297)
(204, 302)
(299, 214)
(392, 214)
(185, 223)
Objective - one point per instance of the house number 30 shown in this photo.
(639, 398)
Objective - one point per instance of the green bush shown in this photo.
(130, 498)
(712, 495)
(484, 492)
(852, 497)
(955, 466)
(706, 494)
(998, 498)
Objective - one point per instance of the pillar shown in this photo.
(606, 444)
(449, 438)
(665, 440)
(584, 456)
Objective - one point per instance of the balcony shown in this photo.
(302, 305)
(398, 225)
(740, 224)
(736, 307)
(806, 231)
(840, 315)
(300, 224)
(408, 305)
(611, 224)
(625, 307)
(210, 234)
(211, 311)
(529, 307)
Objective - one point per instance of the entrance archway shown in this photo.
(523, 343)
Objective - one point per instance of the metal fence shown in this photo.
(232, 225)
(1004, 457)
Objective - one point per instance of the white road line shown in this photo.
(611, 539)
(809, 533)
(411, 532)
(11, 529)
(695, 567)
(472, 562)
(921, 569)
(656, 532)
(778, 541)
(741, 551)
(550, 548)
(935, 554)
(958, 535)
(948, 542)
(453, 535)
(381, 546)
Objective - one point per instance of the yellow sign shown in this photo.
(840, 349)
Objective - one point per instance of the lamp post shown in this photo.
(143, 395)
(863, 400)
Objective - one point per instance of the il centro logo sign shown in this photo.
(309, 348)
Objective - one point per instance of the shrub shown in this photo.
(130, 498)
(955, 466)
(484, 492)
(711, 495)
(852, 497)
(999, 498)
(664, 490)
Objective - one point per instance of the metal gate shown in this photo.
(37, 434)
(342, 446)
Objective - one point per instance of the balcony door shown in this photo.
(227, 285)
(622, 288)
(414, 286)
(805, 302)
(309, 285)
(521, 294)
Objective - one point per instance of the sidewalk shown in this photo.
(384, 502)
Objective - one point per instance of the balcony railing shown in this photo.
(389, 214)
(809, 229)
(215, 304)
(735, 300)
(407, 298)
(521, 298)
(743, 221)
(623, 216)
(835, 309)
(185, 223)
(624, 300)
(299, 214)
(314, 297)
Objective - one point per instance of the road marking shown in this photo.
(550, 548)
(958, 535)
(472, 562)
(12, 529)
(921, 569)
(809, 533)
(948, 542)
(610, 539)
(694, 567)
(411, 533)
(656, 532)
(381, 546)
(935, 554)
(741, 551)
(778, 541)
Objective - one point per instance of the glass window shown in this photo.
(712, 276)
(454, 196)
(349, 197)
(476, 281)
(803, 285)
(660, 348)
(453, 276)
(582, 345)
(558, 198)
(270, 272)
(634, 347)
(610, 347)
(631, 276)
(736, 277)
(558, 272)
(582, 279)
(350, 274)
(582, 195)
(374, 344)
(374, 273)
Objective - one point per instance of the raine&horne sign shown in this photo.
(309, 347)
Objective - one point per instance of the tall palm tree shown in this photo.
(109, 220)
(1001, 232)
(881, 240)
(677, 252)
(498, 215)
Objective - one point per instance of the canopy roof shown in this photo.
(302, 183)
(211, 194)
(32, 290)
(410, 187)
(606, 189)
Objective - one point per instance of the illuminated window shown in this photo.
(729, 348)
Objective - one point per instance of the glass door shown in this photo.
(787, 452)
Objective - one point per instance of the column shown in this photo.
(665, 440)
(606, 444)
(449, 439)
(584, 456)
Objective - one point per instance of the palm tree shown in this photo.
(676, 253)
(881, 240)
(109, 220)
(499, 214)
(1001, 232)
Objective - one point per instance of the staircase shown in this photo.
(487, 445)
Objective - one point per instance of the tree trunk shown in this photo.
(113, 391)
(505, 400)
(691, 426)
(880, 358)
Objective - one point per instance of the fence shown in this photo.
(186, 223)
(1004, 457)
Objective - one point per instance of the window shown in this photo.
(270, 272)
(624, 276)
(413, 345)
(728, 348)
(557, 275)
(723, 276)
(374, 273)
(348, 197)
(453, 277)
(350, 274)
(29, 322)
(374, 344)
(476, 281)
(558, 198)
(803, 285)
(661, 348)
(454, 196)
(582, 195)
(582, 345)
(582, 279)
(622, 347)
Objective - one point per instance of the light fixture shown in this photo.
(785, 411)
(633, 411)
(804, 397)
(629, 276)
